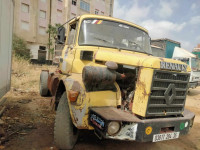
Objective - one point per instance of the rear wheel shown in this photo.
(65, 133)
(44, 83)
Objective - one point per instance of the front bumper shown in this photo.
(133, 128)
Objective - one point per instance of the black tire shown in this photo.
(44, 83)
(65, 133)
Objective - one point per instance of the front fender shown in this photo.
(79, 108)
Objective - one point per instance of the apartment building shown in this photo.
(32, 17)
(98, 7)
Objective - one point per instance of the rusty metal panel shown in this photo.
(6, 28)
(111, 113)
(143, 91)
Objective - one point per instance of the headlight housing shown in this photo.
(113, 128)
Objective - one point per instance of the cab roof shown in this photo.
(110, 18)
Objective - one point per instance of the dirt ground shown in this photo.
(29, 120)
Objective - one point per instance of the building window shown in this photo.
(24, 25)
(102, 13)
(74, 2)
(42, 14)
(42, 48)
(85, 6)
(59, 12)
(42, 30)
(96, 11)
(25, 8)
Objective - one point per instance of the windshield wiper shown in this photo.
(133, 42)
(105, 41)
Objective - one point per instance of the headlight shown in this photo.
(113, 127)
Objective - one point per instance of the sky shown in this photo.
(177, 20)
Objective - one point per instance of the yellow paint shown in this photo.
(121, 57)
(148, 130)
(118, 94)
(88, 99)
(143, 91)
(68, 57)
(99, 22)
(73, 65)
(103, 98)
(133, 58)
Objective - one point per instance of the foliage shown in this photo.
(52, 30)
(20, 48)
(26, 76)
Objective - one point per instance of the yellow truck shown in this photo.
(108, 81)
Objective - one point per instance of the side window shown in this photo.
(72, 33)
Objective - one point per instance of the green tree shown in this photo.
(52, 31)
(20, 48)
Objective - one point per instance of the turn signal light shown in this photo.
(73, 95)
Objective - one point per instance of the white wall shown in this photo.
(6, 29)
(33, 50)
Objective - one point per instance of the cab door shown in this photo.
(68, 53)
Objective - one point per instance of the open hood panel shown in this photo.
(133, 58)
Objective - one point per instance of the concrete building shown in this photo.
(167, 45)
(98, 7)
(32, 17)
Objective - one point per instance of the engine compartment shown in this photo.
(127, 85)
(103, 78)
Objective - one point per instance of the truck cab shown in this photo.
(109, 82)
(192, 61)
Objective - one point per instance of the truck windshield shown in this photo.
(113, 34)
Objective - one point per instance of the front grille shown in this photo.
(168, 93)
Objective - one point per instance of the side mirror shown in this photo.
(61, 35)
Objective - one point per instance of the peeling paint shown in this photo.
(127, 132)
(79, 115)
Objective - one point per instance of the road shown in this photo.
(30, 122)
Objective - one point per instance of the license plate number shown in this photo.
(165, 136)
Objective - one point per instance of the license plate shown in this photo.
(165, 136)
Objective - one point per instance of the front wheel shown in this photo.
(65, 133)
